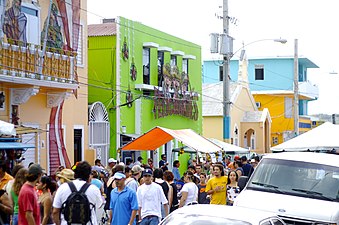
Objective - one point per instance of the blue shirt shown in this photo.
(122, 204)
(97, 183)
(176, 173)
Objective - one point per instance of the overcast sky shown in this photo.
(312, 22)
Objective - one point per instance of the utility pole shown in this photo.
(296, 89)
(226, 80)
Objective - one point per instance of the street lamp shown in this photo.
(279, 40)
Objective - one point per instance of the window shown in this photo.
(259, 72)
(2, 100)
(236, 135)
(80, 57)
(160, 66)
(173, 60)
(221, 73)
(146, 65)
(253, 141)
(288, 107)
(33, 31)
(185, 65)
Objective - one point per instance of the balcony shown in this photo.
(308, 91)
(29, 65)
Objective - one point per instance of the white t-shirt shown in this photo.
(150, 197)
(93, 195)
(192, 192)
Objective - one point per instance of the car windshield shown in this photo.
(194, 219)
(297, 178)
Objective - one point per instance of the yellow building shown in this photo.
(43, 76)
(250, 128)
(280, 105)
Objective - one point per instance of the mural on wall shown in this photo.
(133, 70)
(15, 23)
(59, 36)
(124, 50)
(54, 38)
(175, 98)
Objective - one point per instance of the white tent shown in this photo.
(7, 128)
(322, 138)
(226, 147)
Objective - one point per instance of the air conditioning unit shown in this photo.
(258, 104)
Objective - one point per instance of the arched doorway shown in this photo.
(250, 139)
(99, 129)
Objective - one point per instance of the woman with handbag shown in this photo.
(189, 192)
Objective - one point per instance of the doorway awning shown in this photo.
(15, 145)
(27, 130)
(159, 136)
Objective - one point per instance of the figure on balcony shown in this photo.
(54, 34)
(15, 23)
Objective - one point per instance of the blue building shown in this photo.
(270, 75)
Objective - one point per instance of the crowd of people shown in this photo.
(119, 194)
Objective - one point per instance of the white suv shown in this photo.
(300, 187)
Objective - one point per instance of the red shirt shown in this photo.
(28, 201)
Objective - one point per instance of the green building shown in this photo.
(139, 78)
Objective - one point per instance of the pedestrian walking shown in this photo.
(169, 178)
(29, 210)
(19, 180)
(45, 200)
(216, 186)
(189, 192)
(150, 198)
(124, 204)
(82, 173)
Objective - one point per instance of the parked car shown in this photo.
(219, 215)
(299, 187)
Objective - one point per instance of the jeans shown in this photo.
(154, 220)
(15, 219)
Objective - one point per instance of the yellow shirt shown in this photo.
(218, 197)
(5, 180)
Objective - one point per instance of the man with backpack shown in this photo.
(76, 202)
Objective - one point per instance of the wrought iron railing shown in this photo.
(29, 61)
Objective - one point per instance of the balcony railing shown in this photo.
(30, 62)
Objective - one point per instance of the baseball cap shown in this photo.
(236, 157)
(112, 160)
(35, 169)
(119, 176)
(137, 169)
(147, 172)
(104, 172)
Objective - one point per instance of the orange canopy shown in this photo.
(159, 136)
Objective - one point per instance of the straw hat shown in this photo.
(66, 174)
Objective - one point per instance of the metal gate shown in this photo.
(33, 139)
(99, 131)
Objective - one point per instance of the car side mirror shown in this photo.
(242, 181)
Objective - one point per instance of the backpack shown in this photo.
(77, 208)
